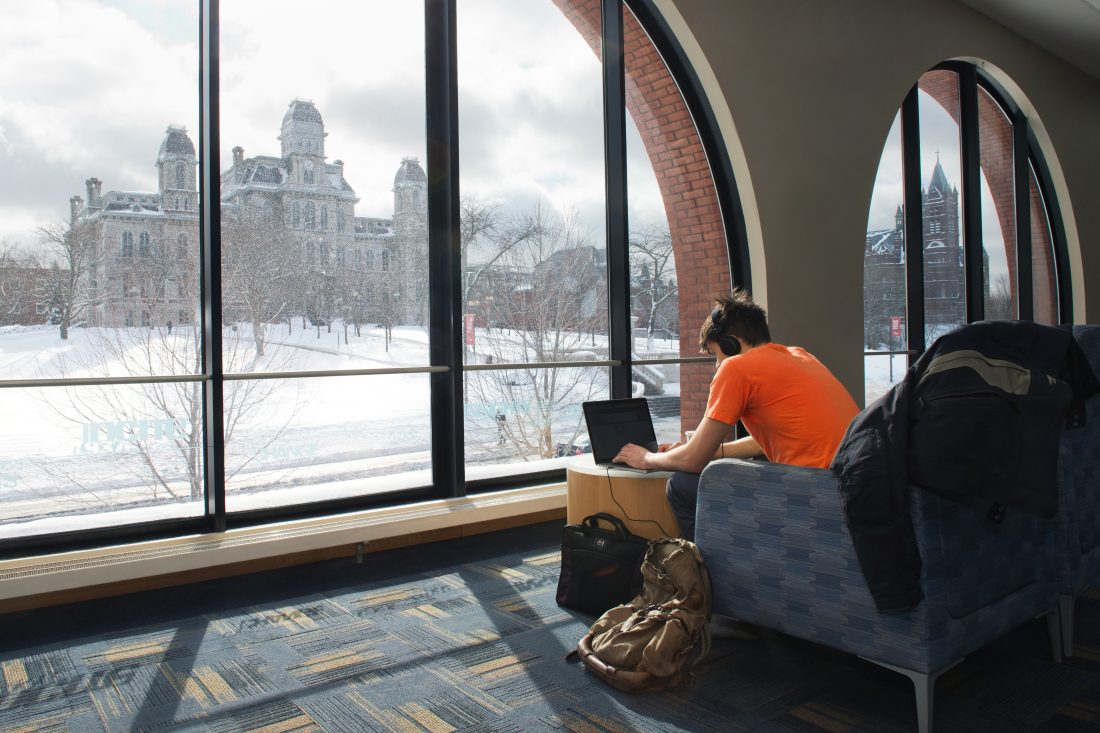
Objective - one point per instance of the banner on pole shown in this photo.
(469, 321)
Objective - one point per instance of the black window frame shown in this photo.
(1026, 155)
(445, 351)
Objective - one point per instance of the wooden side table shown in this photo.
(636, 498)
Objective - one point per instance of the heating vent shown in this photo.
(34, 575)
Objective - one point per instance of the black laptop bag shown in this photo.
(600, 568)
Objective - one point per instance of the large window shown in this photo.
(961, 179)
(98, 388)
(192, 345)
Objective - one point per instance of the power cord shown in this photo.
(611, 489)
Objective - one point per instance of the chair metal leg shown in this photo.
(1054, 629)
(1065, 613)
(923, 687)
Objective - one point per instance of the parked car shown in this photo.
(577, 447)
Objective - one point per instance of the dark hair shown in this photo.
(735, 315)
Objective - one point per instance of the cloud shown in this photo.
(90, 86)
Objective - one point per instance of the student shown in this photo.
(795, 410)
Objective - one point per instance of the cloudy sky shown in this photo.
(87, 88)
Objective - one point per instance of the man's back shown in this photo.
(791, 404)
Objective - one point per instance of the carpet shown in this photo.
(465, 635)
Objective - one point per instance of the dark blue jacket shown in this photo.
(976, 419)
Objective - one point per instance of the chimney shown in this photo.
(75, 205)
(94, 185)
(238, 162)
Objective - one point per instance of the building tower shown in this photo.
(176, 171)
(410, 228)
(303, 142)
(944, 272)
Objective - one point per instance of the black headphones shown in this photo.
(729, 345)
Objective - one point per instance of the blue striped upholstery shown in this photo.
(777, 546)
(1079, 487)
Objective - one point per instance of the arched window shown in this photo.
(960, 225)
(307, 172)
(127, 244)
(324, 217)
(340, 222)
(385, 260)
(144, 250)
(310, 254)
(324, 254)
(369, 261)
(310, 215)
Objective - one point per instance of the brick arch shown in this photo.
(995, 144)
(680, 164)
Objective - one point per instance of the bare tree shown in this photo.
(488, 236)
(654, 277)
(76, 251)
(260, 269)
(999, 305)
(153, 431)
(16, 280)
(541, 320)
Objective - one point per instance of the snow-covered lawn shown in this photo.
(80, 456)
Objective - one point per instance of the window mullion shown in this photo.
(444, 247)
(614, 125)
(971, 193)
(211, 265)
(914, 227)
(1021, 179)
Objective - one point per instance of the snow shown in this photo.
(70, 458)
(75, 457)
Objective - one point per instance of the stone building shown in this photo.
(944, 268)
(292, 244)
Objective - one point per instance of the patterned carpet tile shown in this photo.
(480, 647)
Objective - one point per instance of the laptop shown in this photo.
(614, 423)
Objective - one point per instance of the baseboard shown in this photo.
(38, 582)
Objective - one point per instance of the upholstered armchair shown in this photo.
(776, 543)
(1079, 498)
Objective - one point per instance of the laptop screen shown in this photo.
(614, 423)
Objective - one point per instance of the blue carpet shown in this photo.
(465, 636)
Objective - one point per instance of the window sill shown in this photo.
(72, 576)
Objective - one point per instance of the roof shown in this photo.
(939, 179)
(302, 110)
(410, 172)
(176, 142)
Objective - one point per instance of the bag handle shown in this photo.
(593, 522)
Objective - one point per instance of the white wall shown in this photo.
(811, 89)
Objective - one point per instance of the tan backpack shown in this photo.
(653, 641)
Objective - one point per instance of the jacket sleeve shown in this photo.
(872, 479)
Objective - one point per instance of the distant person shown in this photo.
(795, 410)
(169, 327)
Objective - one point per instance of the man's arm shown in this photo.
(694, 455)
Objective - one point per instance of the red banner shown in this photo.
(469, 320)
(895, 326)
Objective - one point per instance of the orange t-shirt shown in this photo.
(794, 407)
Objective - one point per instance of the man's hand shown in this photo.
(632, 455)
